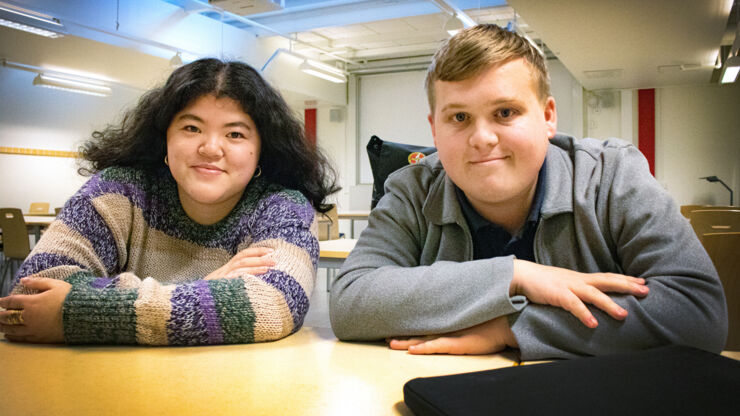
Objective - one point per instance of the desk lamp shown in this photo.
(716, 179)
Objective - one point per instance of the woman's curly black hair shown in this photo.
(286, 157)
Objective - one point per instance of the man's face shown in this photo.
(492, 132)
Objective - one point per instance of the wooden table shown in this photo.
(307, 373)
(352, 216)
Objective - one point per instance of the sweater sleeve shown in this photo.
(127, 309)
(650, 239)
(394, 284)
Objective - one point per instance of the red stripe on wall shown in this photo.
(310, 123)
(646, 125)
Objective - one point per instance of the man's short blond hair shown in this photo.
(480, 47)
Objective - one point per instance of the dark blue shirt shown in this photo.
(491, 240)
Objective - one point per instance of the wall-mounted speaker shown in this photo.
(335, 115)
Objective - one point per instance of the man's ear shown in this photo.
(551, 117)
(430, 117)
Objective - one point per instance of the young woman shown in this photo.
(197, 227)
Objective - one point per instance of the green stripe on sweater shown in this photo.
(234, 310)
(98, 316)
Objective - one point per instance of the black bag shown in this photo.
(386, 157)
(674, 380)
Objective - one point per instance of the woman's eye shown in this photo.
(191, 129)
(235, 135)
(460, 117)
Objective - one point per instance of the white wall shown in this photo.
(41, 118)
(568, 95)
(698, 134)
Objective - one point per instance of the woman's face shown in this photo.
(213, 148)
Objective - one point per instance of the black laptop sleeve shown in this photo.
(673, 380)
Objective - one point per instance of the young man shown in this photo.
(513, 236)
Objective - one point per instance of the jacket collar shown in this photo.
(441, 205)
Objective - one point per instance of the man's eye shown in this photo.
(506, 113)
(460, 117)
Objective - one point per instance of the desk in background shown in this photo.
(352, 216)
(36, 222)
(332, 254)
(307, 373)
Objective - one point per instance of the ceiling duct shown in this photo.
(248, 7)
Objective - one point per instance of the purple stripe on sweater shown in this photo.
(294, 228)
(186, 325)
(303, 211)
(98, 186)
(293, 292)
(81, 216)
(43, 261)
(210, 314)
(101, 282)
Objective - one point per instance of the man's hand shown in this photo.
(569, 290)
(252, 260)
(41, 312)
(486, 338)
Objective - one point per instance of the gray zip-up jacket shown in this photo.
(412, 271)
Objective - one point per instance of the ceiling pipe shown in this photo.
(450, 8)
(222, 12)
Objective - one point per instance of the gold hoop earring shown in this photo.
(259, 172)
(166, 162)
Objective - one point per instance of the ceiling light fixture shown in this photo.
(72, 85)
(29, 21)
(311, 66)
(454, 25)
(322, 71)
(731, 65)
(730, 70)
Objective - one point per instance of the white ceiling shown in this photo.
(631, 43)
(604, 43)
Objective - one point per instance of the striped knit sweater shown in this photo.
(136, 263)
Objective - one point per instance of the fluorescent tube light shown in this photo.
(730, 71)
(30, 21)
(322, 71)
(78, 86)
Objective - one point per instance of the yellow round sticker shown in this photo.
(415, 157)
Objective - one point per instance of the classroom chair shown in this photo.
(714, 221)
(387, 157)
(39, 208)
(15, 245)
(723, 249)
(686, 209)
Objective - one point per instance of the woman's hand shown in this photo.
(486, 338)
(569, 290)
(252, 260)
(40, 313)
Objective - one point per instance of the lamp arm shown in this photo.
(728, 188)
